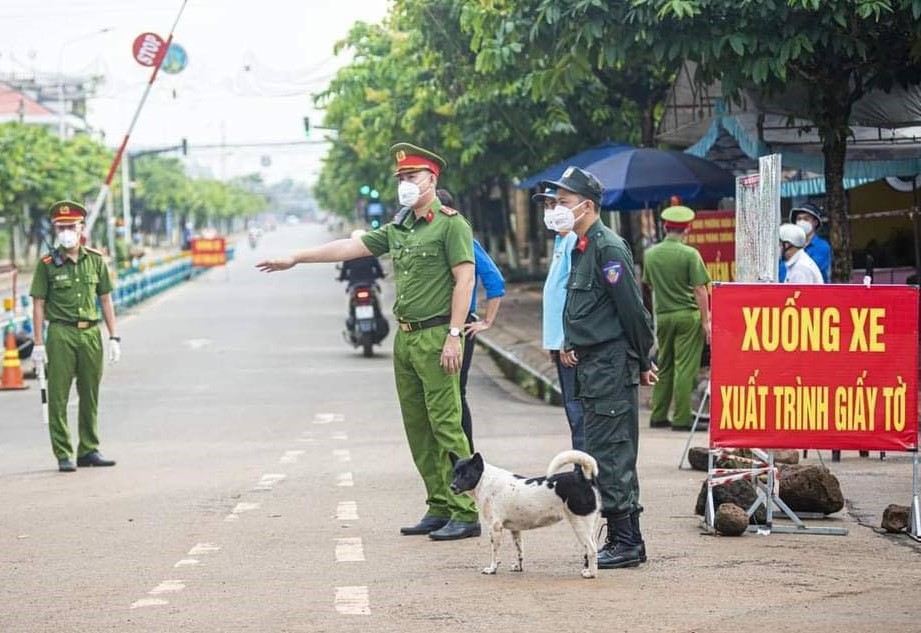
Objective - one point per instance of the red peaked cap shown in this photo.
(409, 157)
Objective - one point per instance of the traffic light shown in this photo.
(306, 125)
(375, 194)
(375, 223)
(364, 190)
(185, 147)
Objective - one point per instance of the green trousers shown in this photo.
(681, 342)
(431, 406)
(607, 383)
(73, 353)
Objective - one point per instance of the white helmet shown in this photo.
(357, 233)
(792, 234)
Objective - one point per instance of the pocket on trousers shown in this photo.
(617, 411)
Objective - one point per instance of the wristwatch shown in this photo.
(454, 331)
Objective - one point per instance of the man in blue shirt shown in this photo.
(487, 273)
(554, 300)
(809, 218)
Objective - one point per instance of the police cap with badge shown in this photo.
(67, 212)
(578, 181)
(411, 158)
(677, 218)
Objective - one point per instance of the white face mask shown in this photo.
(806, 225)
(408, 193)
(68, 238)
(561, 218)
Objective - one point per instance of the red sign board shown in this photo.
(208, 252)
(713, 233)
(149, 49)
(833, 367)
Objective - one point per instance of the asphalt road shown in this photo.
(263, 475)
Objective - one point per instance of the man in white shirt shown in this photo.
(801, 269)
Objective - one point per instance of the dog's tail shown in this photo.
(584, 460)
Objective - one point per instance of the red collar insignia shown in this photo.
(430, 216)
(582, 244)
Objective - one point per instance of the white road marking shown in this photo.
(340, 435)
(268, 480)
(327, 418)
(197, 343)
(347, 511)
(167, 586)
(352, 601)
(290, 457)
(342, 454)
(306, 440)
(239, 509)
(148, 602)
(344, 480)
(204, 548)
(349, 550)
(186, 562)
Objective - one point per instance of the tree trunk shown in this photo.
(834, 148)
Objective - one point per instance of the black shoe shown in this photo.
(682, 429)
(456, 530)
(427, 525)
(621, 556)
(659, 424)
(93, 458)
(66, 466)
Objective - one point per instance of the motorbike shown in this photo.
(253, 239)
(366, 326)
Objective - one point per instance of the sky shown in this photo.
(253, 65)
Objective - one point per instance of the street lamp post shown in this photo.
(61, 101)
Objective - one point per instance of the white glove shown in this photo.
(115, 351)
(38, 354)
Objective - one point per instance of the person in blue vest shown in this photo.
(809, 218)
(487, 273)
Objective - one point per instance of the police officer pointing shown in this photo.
(608, 335)
(65, 289)
(432, 250)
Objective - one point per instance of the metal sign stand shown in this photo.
(914, 516)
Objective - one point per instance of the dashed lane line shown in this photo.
(347, 511)
(352, 601)
(349, 550)
(342, 454)
(345, 480)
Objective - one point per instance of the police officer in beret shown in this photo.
(65, 289)
(431, 246)
(608, 337)
(680, 284)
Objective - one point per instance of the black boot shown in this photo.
(626, 550)
(635, 520)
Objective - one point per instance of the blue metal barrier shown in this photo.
(137, 284)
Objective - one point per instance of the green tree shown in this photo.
(834, 51)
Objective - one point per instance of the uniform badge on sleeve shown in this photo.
(613, 271)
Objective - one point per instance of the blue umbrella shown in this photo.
(635, 178)
(583, 158)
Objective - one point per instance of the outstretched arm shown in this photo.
(335, 251)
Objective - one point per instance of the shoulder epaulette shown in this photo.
(448, 210)
(47, 259)
(94, 251)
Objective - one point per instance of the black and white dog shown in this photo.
(516, 503)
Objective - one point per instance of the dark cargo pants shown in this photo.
(608, 379)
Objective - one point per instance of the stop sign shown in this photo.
(149, 49)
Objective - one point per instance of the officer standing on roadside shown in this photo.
(65, 288)
(679, 280)
(608, 336)
(432, 250)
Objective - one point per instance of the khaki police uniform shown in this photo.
(73, 341)
(423, 252)
(673, 269)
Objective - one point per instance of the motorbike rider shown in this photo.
(363, 271)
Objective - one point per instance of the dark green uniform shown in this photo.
(673, 269)
(605, 323)
(424, 251)
(73, 342)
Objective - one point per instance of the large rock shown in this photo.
(895, 518)
(730, 520)
(810, 489)
(786, 456)
(740, 493)
(698, 457)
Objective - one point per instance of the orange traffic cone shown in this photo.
(11, 378)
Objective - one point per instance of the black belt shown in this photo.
(80, 325)
(421, 325)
